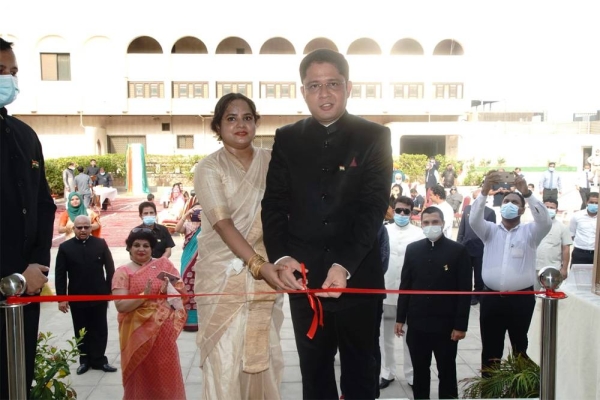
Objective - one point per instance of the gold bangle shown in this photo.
(254, 264)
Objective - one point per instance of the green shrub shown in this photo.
(115, 165)
(52, 367)
(413, 165)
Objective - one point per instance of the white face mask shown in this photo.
(432, 232)
(551, 169)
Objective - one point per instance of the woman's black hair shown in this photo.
(140, 234)
(221, 107)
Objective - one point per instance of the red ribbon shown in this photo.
(315, 304)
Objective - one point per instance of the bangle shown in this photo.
(254, 264)
(528, 195)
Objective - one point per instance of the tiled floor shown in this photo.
(98, 385)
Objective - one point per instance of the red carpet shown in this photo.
(117, 221)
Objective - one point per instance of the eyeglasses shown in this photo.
(136, 230)
(405, 211)
(333, 86)
(83, 227)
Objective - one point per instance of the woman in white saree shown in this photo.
(238, 335)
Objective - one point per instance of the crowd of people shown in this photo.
(259, 221)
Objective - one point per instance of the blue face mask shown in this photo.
(9, 88)
(551, 213)
(509, 211)
(149, 220)
(401, 220)
(592, 208)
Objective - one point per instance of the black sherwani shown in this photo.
(26, 224)
(325, 200)
(445, 266)
(89, 267)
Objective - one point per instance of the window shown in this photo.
(185, 141)
(366, 90)
(166, 127)
(190, 90)
(448, 90)
(408, 90)
(118, 144)
(277, 90)
(264, 142)
(224, 88)
(146, 90)
(56, 66)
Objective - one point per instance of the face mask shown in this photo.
(586, 170)
(509, 211)
(9, 88)
(149, 220)
(432, 232)
(551, 213)
(401, 220)
(593, 208)
(551, 169)
(102, 173)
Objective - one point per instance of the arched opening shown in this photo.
(364, 46)
(144, 45)
(277, 45)
(189, 45)
(233, 45)
(320, 43)
(448, 47)
(407, 47)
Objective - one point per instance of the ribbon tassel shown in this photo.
(315, 305)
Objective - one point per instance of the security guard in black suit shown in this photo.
(437, 322)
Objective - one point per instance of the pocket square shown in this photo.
(353, 163)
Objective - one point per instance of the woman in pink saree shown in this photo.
(148, 329)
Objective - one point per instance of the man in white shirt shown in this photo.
(595, 164)
(508, 265)
(401, 233)
(583, 231)
(438, 198)
(555, 249)
(550, 183)
(584, 184)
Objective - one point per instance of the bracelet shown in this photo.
(254, 264)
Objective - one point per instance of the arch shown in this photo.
(320, 43)
(189, 45)
(448, 47)
(277, 45)
(364, 46)
(407, 47)
(54, 44)
(144, 45)
(233, 45)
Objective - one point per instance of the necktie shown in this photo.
(551, 180)
(587, 180)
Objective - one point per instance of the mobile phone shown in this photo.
(507, 177)
(195, 217)
(172, 278)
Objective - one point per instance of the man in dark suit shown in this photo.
(474, 245)
(437, 322)
(326, 196)
(88, 265)
(27, 213)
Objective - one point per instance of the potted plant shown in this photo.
(515, 377)
(52, 368)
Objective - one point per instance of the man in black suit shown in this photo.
(437, 322)
(474, 245)
(326, 196)
(27, 213)
(88, 265)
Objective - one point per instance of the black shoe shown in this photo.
(106, 368)
(82, 369)
(385, 383)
